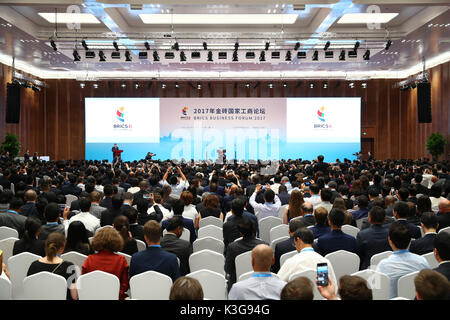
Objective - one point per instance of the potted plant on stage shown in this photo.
(11, 145)
(436, 145)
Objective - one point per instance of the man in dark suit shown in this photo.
(287, 245)
(107, 200)
(4, 180)
(374, 239)
(401, 210)
(283, 194)
(154, 257)
(12, 217)
(444, 214)
(178, 208)
(421, 189)
(442, 253)
(171, 242)
(29, 208)
(71, 188)
(247, 243)
(108, 215)
(429, 224)
(336, 239)
(136, 230)
(307, 219)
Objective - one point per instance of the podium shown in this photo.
(117, 155)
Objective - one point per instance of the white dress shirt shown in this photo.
(266, 209)
(260, 286)
(166, 213)
(190, 212)
(90, 222)
(314, 200)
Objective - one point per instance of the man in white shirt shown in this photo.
(157, 200)
(306, 258)
(325, 197)
(271, 204)
(315, 195)
(178, 184)
(262, 285)
(90, 222)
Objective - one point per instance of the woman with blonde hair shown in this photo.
(294, 209)
(186, 288)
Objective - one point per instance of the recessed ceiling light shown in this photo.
(363, 18)
(70, 17)
(218, 18)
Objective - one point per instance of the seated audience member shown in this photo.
(77, 239)
(295, 208)
(96, 210)
(30, 242)
(11, 217)
(186, 288)
(122, 225)
(137, 230)
(53, 224)
(142, 215)
(401, 211)
(300, 288)
(271, 204)
(171, 242)
(321, 222)
(425, 244)
(29, 208)
(154, 257)
(110, 214)
(230, 228)
(340, 204)
(336, 239)
(307, 217)
(431, 285)
(436, 196)
(107, 199)
(314, 199)
(374, 239)
(52, 262)
(211, 208)
(262, 284)
(287, 245)
(379, 202)
(325, 199)
(90, 222)
(71, 188)
(159, 202)
(442, 253)
(106, 242)
(283, 195)
(350, 288)
(231, 216)
(344, 192)
(402, 261)
(177, 208)
(444, 214)
(306, 258)
(189, 211)
(247, 243)
(363, 210)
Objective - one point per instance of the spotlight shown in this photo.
(311, 85)
(176, 46)
(84, 44)
(325, 85)
(236, 45)
(53, 44)
(235, 56)
(102, 56)
(284, 85)
(199, 86)
(367, 55)
(356, 46)
(116, 46)
(177, 85)
(205, 46)
(82, 85)
(288, 56)
(123, 85)
(342, 56)
(128, 56)
(267, 46)
(247, 85)
(297, 46)
(327, 45)
(351, 85)
(163, 85)
(76, 56)
(155, 56)
(210, 56)
(262, 56)
(301, 55)
(270, 85)
(147, 45)
(136, 85)
(95, 85)
(388, 45)
(182, 56)
(315, 56)
(364, 85)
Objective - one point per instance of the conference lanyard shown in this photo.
(307, 215)
(52, 223)
(307, 249)
(12, 211)
(261, 275)
(401, 251)
(155, 246)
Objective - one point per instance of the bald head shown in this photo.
(307, 208)
(444, 205)
(30, 195)
(262, 258)
(389, 200)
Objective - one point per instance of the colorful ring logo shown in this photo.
(321, 113)
(120, 114)
(184, 111)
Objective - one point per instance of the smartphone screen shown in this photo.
(322, 274)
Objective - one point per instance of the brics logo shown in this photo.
(120, 114)
(321, 116)
(184, 111)
(185, 114)
(321, 113)
(122, 125)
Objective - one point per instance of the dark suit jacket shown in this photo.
(188, 224)
(29, 210)
(12, 220)
(423, 245)
(181, 248)
(137, 231)
(319, 231)
(280, 249)
(308, 220)
(37, 247)
(106, 203)
(414, 230)
(366, 224)
(230, 228)
(444, 220)
(284, 198)
(5, 183)
(71, 189)
(108, 216)
(422, 189)
(444, 268)
(334, 241)
(371, 241)
(156, 259)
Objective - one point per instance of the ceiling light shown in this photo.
(123, 85)
(388, 45)
(311, 85)
(147, 45)
(364, 85)
(315, 56)
(275, 54)
(155, 56)
(366, 55)
(177, 85)
(267, 46)
(163, 85)
(205, 46)
(76, 56)
(182, 56)
(235, 56)
(236, 45)
(82, 85)
(83, 43)
(288, 56)
(116, 46)
(102, 56)
(357, 43)
(342, 56)
(90, 54)
(176, 46)
(329, 54)
(69, 17)
(297, 46)
(95, 85)
(195, 55)
(247, 85)
(270, 85)
(136, 85)
(199, 86)
(351, 85)
(250, 55)
(128, 56)
(209, 19)
(262, 56)
(325, 85)
(327, 45)
(53, 44)
(210, 56)
(284, 85)
(363, 18)
(169, 55)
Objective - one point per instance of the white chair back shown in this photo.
(209, 243)
(141, 245)
(186, 235)
(207, 259)
(127, 257)
(446, 229)
(279, 231)
(210, 221)
(7, 246)
(399, 298)
(211, 231)
(247, 275)
(44, 286)
(5, 289)
(150, 285)
(281, 211)
(359, 223)
(286, 256)
(431, 259)
(376, 258)
(98, 285)
(70, 198)
(213, 284)
(343, 262)
(75, 257)
(276, 241)
(265, 225)
(378, 282)
(350, 230)
(243, 263)
(7, 232)
(18, 266)
(311, 275)
(406, 287)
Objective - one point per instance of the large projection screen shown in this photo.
(247, 128)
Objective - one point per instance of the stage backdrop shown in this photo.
(247, 128)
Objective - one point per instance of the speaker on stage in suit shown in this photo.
(116, 153)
